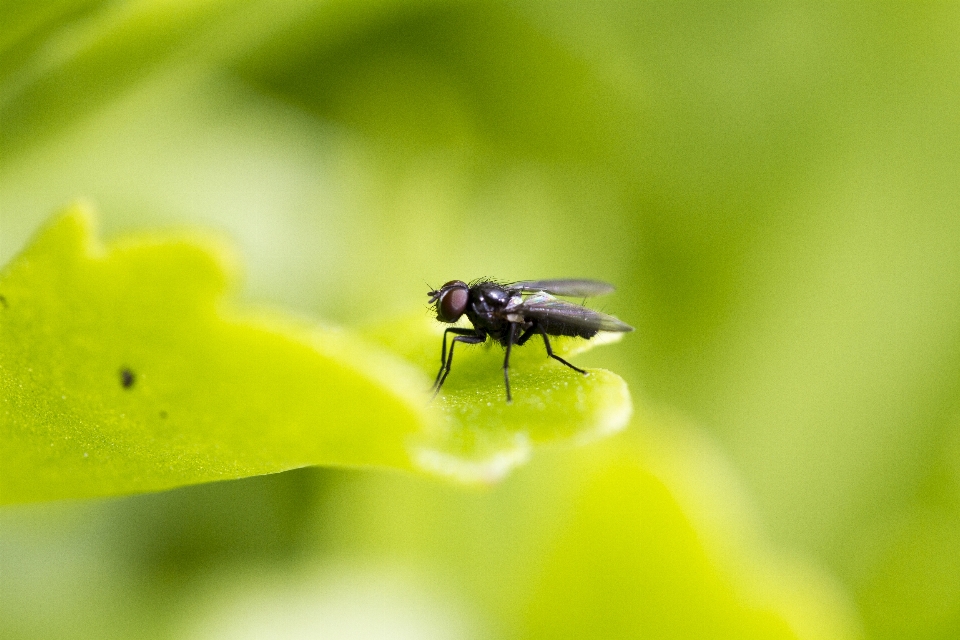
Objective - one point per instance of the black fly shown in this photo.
(513, 313)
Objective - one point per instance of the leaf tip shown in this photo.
(72, 230)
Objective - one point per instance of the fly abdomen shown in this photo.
(555, 328)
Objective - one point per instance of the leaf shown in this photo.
(122, 371)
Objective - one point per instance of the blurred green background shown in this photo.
(775, 191)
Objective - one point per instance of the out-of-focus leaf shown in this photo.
(51, 67)
(647, 535)
(629, 561)
(65, 60)
(121, 371)
(912, 588)
(472, 75)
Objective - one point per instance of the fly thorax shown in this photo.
(497, 298)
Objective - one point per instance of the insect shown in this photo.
(513, 313)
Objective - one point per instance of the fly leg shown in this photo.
(472, 338)
(546, 343)
(460, 331)
(526, 335)
(511, 338)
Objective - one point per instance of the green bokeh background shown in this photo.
(775, 190)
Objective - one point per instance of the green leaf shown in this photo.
(122, 370)
(210, 394)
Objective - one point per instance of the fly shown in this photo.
(513, 313)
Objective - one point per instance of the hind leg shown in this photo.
(546, 343)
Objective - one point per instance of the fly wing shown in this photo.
(566, 315)
(571, 288)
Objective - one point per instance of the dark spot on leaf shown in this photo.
(127, 378)
(3, 302)
(163, 415)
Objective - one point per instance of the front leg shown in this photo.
(511, 338)
(546, 343)
(460, 331)
(475, 338)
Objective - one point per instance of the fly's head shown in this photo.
(451, 300)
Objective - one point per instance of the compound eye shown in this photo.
(452, 304)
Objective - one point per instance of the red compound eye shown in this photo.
(452, 304)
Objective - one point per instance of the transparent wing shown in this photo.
(571, 288)
(553, 312)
